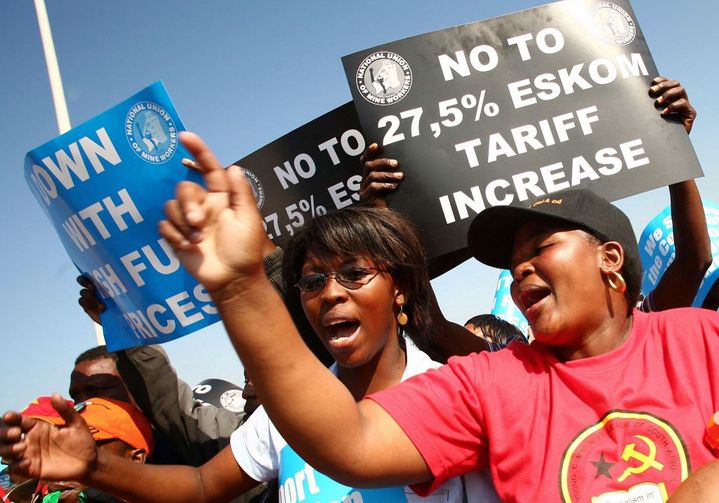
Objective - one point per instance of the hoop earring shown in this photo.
(621, 287)
(402, 317)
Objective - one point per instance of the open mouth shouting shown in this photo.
(530, 299)
(340, 332)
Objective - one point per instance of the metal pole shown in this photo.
(53, 71)
(58, 94)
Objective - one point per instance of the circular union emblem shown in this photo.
(151, 132)
(613, 24)
(232, 400)
(626, 456)
(384, 78)
(257, 190)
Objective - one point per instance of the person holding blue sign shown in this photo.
(361, 276)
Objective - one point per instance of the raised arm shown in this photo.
(679, 284)
(216, 233)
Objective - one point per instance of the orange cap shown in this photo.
(42, 409)
(114, 420)
(107, 419)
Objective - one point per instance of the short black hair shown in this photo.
(96, 353)
(496, 329)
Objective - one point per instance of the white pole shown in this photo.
(58, 95)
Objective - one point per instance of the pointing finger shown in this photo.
(212, 171)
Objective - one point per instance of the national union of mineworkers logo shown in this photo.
(151, 132)
(613, 24)
(626, 456)
(384, 78)
(257, 190)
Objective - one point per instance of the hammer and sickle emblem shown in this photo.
(647, 460)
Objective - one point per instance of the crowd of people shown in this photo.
(367, 391)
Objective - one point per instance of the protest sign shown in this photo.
(656, 249)
(307, 172)
(504, 307)
(103, 186)
(516, 107)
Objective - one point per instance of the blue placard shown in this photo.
(298, 481)
(103, 186)
(656, 248)
(504, 307)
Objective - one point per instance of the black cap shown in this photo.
(491, 234)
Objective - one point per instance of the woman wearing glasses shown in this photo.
(361, 277)
(362, 281)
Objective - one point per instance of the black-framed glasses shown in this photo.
(351, 277)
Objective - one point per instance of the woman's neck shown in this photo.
(383, 371)
(605, 338)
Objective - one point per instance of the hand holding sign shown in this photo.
(672, 96)
(216, 232)
(380, 176)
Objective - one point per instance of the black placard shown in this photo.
(503, 110)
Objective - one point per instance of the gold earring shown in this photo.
(622, 286)
(402, 317)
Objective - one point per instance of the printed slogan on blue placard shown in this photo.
(103, 186)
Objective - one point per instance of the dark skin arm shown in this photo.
(452, 339)
(679, 284)
(702, 486)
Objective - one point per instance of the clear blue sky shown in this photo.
(241, 73)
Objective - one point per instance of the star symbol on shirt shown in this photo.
(602, 467)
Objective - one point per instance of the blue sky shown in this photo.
(241, 74)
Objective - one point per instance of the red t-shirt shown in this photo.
(624, 424)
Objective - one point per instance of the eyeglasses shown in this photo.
(351, 277)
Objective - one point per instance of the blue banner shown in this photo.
(504, 307)
(656, 247)
(298, 481)
(103, 186)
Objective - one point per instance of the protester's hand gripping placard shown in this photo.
(103, 186)
(516, 107)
